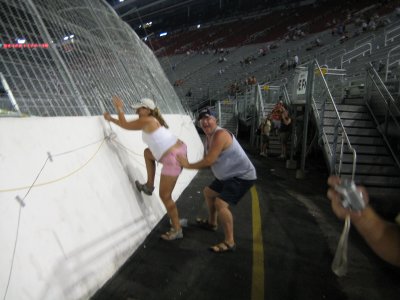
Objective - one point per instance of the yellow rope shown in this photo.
(55, 180)
(73, 172)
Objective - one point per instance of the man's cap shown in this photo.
(205, 113)
(145, 102)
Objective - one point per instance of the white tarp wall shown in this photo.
(66, 236)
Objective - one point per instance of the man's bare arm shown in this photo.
(222, 139)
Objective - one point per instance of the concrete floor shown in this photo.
(299, 238)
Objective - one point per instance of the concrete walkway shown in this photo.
(286, 237)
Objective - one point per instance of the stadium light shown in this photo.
(148, 24)
(163, 33)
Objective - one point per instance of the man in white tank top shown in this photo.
(234, 172)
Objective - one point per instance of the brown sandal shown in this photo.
(223, 247)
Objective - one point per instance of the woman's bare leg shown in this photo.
(150, 167)
(167, 184)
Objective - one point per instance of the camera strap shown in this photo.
(339, 264)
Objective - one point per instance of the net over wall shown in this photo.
(69, 57)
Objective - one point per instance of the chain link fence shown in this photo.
(69, 57)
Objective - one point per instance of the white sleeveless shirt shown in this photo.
(232, 162)
(159, 141)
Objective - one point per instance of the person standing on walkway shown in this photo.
(163, 147)
(276, 116)
(234, 176)
(284, 132)
(265, 129)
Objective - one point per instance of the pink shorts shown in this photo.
(171, 167)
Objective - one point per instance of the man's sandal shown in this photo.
(172, 234)
(204, 224)
(223, 247)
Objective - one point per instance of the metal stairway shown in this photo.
(228, 116)
(375, 167)
(275, 147)
(352, 130)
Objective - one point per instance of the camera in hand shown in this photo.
(351, 197)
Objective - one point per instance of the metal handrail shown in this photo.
(259, 107)
(390, 105)
(259, 99)
(339, 124)
(201, 104)
(392, 63)
(361, 41)
(286, 95)
(388, 32)
(336, 54)
(369, 49)
(391, 26)
(218, 108)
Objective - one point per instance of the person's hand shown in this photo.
(107, 116)
(336, 200)
(119, 105)
(183, 161)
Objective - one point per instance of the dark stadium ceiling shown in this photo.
(168, 15)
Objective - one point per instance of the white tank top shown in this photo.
(159, 141)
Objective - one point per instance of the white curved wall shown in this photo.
(84, 218)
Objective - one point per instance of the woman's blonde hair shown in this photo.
(157, 114)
